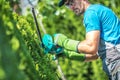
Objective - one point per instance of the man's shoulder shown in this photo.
(96, 6)
(96, 9)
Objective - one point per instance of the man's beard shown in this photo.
(78, 12)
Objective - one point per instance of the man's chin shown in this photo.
(78, 14)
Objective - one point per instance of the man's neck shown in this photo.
(87, 5)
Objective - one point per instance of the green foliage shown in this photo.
(41, 61)
(21, 57)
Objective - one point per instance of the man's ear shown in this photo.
(66, 2)
(85, 1)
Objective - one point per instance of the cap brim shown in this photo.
(61, 3)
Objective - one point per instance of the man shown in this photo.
(102, 36)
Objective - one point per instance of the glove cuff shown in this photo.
(74, 55)
(59, 39)
(66, 43)
(71, 44)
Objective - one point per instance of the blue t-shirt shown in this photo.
(99, 17)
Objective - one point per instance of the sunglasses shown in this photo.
(69, 3)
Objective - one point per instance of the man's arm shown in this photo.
(90, 44)
(88, 47)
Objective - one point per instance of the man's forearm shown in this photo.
(88, 47)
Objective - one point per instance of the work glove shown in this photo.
(72, 55)
(65, 42)
(49, 46)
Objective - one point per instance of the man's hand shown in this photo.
(49, 46)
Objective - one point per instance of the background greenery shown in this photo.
(21, 57)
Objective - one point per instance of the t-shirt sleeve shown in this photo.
(91, 21)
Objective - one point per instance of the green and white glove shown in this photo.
(65, 42)
(74, 55)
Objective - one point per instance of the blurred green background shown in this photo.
(21, 57)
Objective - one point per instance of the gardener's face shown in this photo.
(75, 5)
